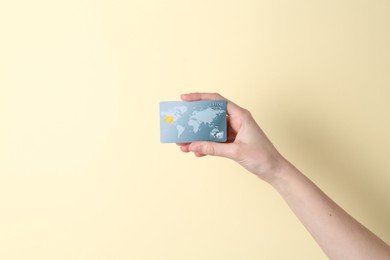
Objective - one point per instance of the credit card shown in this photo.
(189, 121)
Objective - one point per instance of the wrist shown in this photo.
(278, 172)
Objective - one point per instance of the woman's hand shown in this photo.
(246, 142)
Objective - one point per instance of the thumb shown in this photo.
(215, 149)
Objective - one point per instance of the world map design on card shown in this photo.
(185, 122)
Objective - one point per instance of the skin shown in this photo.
(338, 234)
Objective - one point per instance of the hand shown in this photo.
(246, 142)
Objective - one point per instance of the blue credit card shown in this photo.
(185, 122)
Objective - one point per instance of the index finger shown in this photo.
(201, 96)
(231, 107)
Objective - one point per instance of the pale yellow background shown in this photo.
(82, 172)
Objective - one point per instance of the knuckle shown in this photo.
(246, 112)
(209, 149)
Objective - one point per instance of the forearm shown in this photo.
(338, 234)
